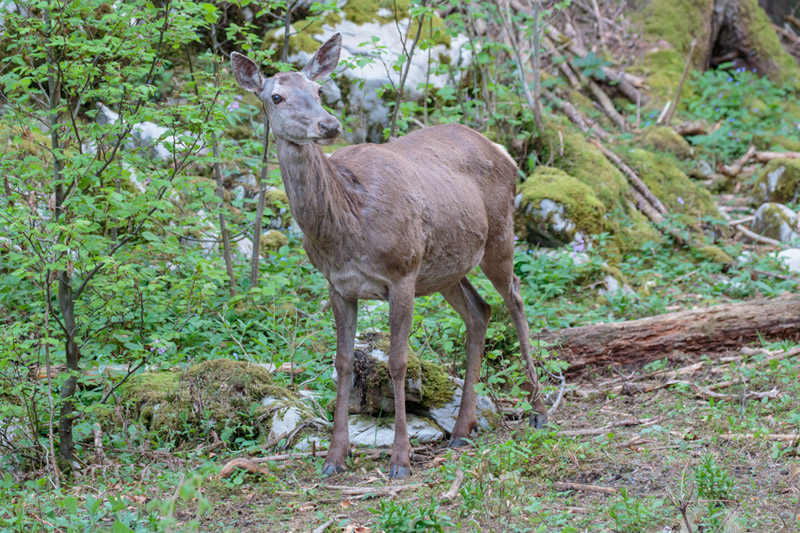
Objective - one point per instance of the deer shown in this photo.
(391, 222)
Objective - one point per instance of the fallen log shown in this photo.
(708, 329)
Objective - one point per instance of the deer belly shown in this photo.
(444, 269)
(354, 284)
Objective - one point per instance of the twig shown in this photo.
(633, 178)
(779, 437)
(766, 157)
(364, 491)
(758, 238)
(242, 464)
(688, 63)
(563, 486)
(324, 526)
(733, 170)
(452, 492)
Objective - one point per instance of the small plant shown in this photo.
(715, 487)
(397, 517)
(631, 513)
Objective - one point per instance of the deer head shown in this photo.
(293, 99)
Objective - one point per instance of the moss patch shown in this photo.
(663, 69)
(779, 181)
(678, 22)
(666, 180)
(782, 67)
(581, 208)
(583, 161)
(666, 139)
(376, 384)
(214, 395)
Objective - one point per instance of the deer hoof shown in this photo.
(457, 442)
(331, 469)
(399, 471)
(537, 420)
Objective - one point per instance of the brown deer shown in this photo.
(391, 222)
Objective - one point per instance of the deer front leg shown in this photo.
(345, 313)
(401, 311)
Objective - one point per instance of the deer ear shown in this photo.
(247, 72)
(325, 59)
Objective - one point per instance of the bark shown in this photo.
(706, 330)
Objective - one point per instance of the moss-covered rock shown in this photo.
(213, 395)
(779, 181)
(666, 139)
(272, 240)
(565, 149)
(553, 209)
(679, 194)
(428, 385)
(776, 221)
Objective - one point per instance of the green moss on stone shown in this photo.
(764, 40)
(714, 254)
(573, 154)
(663, 69)
(666, 139)
(581, 207)
(778, 181)
(215, 394)
(679, 194)
(678, 22)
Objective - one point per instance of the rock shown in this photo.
(702, 169)
(285, 421)
(361, 84)
(778, 181)
(427, 383)
(245, 248)
(446, 415)
(666, 139)
(790, 258)
(233, 394)
(368, 431)
(306, 443)
(553, 209)
(271, 241)
(776, 221)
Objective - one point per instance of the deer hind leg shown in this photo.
(499, 268)
(345, 313)
(401, 312)
(475, 312)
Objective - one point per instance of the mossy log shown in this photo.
(705, 330)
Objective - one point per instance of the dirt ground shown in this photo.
(707, 443)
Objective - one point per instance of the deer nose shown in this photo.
(329, 128)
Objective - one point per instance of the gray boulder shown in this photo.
(776, 221)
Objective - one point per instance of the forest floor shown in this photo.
(708, 437)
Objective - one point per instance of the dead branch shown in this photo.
(324, 526)
(766, 157)
(574, 115)
(756, 237)
(452, 492)
(779, 437)
(733, 170)
(370, 491)
(707, 329)
(564, 486)
(686, 66)
(242, 464)
(634, 180)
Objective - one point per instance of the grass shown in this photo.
(677, 445)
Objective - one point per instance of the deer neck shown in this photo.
(322, 203)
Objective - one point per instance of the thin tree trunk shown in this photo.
(223, 225)
(396, 111)
(262, 200)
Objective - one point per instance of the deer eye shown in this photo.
(320, 92)
(276, 99)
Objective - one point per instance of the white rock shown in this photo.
(447, 415)
(306, 443)
(791, 258)
(285, 421)
(367, 431)
(245, 247)
(776, 221)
